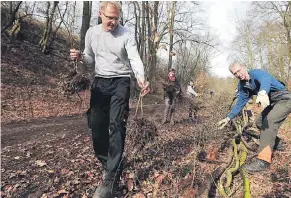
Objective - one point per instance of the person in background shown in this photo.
(191, 94)
(273, 96)
(172, 90)
(113, 49)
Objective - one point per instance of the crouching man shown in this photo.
(273, 97)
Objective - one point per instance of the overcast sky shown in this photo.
(221, 17)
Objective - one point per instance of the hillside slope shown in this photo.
(30, 78)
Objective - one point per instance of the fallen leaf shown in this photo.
(139, 195)
(131, 176)
(159, 179)
(189, 192)
(130, 185)
(51, 171)
(212, 154)
(43, 196)
(64, 171)
(40, 163)
(63, 191)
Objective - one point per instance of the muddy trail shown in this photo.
(53, 157)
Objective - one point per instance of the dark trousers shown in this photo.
(109, 107)
(271, 118)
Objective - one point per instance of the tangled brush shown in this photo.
(74, 82)
(140, 132)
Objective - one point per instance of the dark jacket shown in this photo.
(171, 88)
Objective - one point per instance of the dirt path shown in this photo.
(40, 130)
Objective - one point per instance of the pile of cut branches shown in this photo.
(225, 174)
(140, 131)
(74, 82)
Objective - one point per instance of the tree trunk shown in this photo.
(155, 32)
(137, 24)
(142, 34)
(121, 14)
(149, 37)
(62, 20)
(85, 23)
(45, 38)
(171, 16)
(12, 15)
(288, 32)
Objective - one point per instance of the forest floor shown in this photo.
(53, 157)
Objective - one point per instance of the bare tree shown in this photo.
(171, 17)
(87, 6)
(13, 9)
(50, 12)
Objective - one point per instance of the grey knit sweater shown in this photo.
(115, 53)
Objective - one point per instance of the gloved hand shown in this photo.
(263, 99)
(222, 123)
(144, 85)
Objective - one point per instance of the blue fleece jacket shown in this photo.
(259, 80)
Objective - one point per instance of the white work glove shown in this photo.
(222, 123)
(263, 99)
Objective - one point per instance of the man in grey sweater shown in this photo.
(113, 49)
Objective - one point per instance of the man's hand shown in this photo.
(144, 85)
(263, 99)
(222, 123)
(75, 54)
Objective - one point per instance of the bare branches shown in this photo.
(13, 17)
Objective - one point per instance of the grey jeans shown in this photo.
(170, 103)
(272, 117)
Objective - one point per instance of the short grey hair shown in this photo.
(115, 4)
(235, 64)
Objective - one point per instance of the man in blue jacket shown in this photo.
(273, 97)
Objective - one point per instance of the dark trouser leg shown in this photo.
(270, 125)
(117, 129)
(100, 119)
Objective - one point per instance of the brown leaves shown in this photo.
(139, 195)
(212, 154)
(189, 192)
(130, 185)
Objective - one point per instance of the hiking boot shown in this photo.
(279, 147)
(279, 144)
(257, 165)
(106, 190)
(110, 185)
